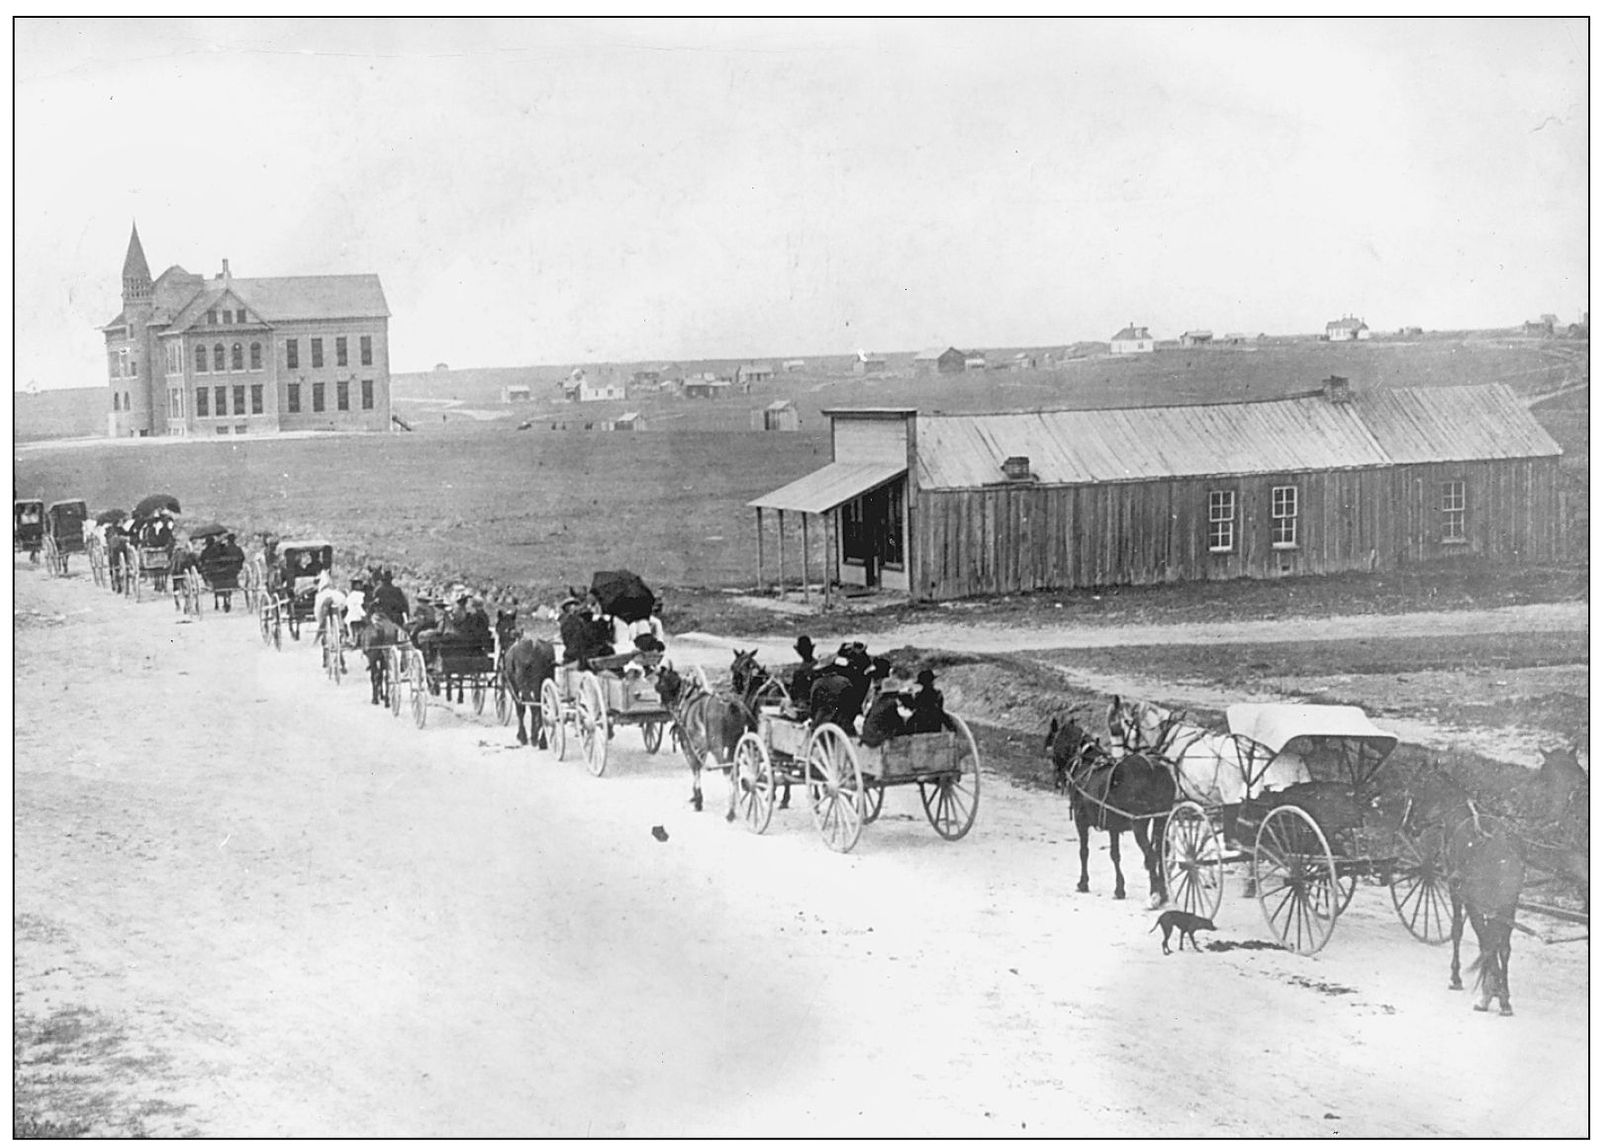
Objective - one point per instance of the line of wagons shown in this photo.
(50, 533)
(845, 782)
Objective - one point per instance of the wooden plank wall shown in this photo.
(1014, 538)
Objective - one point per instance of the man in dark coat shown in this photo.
(478, 627)
(800, 678)
(928, 706)
(582, 633)
(389, 601)
(230, 559)
(888, 715)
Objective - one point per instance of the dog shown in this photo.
(1184, 921)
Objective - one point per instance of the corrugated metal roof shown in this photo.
(1073, 447)
(780, 405)
(830, 487)
(1457, 423)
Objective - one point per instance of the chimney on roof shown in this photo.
(1017, 468)
(1336, 390)
(225, 274)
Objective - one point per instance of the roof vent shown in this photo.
(1336, 390)
(1017, 469)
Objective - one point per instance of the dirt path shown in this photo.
(250, 904)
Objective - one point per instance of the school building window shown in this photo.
(176, 403)
(255, 356)
(240, 315)
(201, 359)
(1222, 520)
(291, 353)
(316, 352)
(1452, 512)
(201, 401)
(319, 397)
(341, 396)
(237, 357)
(1285, 516)
(366, 354)
(229, 317)
(239, 394)
(293, 398)
(341, 351)
(134, 366)
(212, 318)
(366, 393)
(219, 408)
(218, 358)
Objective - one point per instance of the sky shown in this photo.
(563, 191)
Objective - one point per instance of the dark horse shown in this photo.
(376, 636)
(755, 685)
(1134, 792)
(707, 725)
(527, 662)
(1485, 862)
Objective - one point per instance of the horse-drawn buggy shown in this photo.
(292, 586)
(63, 534)
(28, 528)
(449, 667)
(596, 699)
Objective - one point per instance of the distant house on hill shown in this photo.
(1133, 339)
(579, 387)
(867, 363)
(650, 376)
(780, 415)
(753, 372)
(705, 385)
(949, 360)
(1347, 329)
(515, 394)
(441, 366)
(794, 365)
(627, 421)
(1023, 361)
(975, 361)
(1544, 327)
(1235, 339)
(1197, 337)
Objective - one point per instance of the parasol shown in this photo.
(150, 506)
(623, 594)
(111, 516)
(201, 532)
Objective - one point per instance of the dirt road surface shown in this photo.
(250, 904)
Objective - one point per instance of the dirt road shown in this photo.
(250, 904)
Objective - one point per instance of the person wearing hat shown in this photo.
(479, 626)
(356, 609)
(388, 600)
(582, 633)
(231, 560)
(800, 677)
(928, 706)
(889, 713)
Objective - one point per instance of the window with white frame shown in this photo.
(1452, 512)
(1222, 520)
(1284, 516)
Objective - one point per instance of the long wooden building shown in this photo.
(951, 505)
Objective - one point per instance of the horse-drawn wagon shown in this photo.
(451, 666)
(28, 528)
(288, 602)
(63, 534)
(846, 781)
(608, 693)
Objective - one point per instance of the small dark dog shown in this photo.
(1187, 923)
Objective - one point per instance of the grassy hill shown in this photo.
(51, 414)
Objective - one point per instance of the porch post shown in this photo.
(805, 579)
(760, 583)
(825, 562)
(780, 554)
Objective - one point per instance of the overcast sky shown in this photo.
(555, 192)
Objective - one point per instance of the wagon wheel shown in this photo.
(279, 626)
(593, 720)
(193, 591)
(419, 696)
(478, 693)
(551, 713)
(1194, 870)
(834, 781)
(265, 623)
(394, 680)
(653, 734)
(49, 548)
(872, 800)
(1421, 890)
(952, 801)
(752, 782)
(502, 708)
(139, 588)
(1296, 879)
(333, 664)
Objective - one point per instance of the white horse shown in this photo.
(1213, 769)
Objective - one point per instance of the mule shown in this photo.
(1134, 792)
(706, 725)
(524, 666)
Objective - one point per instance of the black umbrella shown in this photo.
(111, 516)
(201, 532)
(623, 594)
(149, 506)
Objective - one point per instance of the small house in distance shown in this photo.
(948, 360)
(1347, 329)
(1197, 337)
(753, 372)
(646, 377)
(705, 385)
(1543, 327)
(510, 394)
(781, 416)
(867, 363)
(975, 361)
(794, 365)
(1133, 339)
(942, 506)
(627, 421)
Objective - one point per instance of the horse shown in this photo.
(707, 725)
(376, 636)
(527, 662)
(1484, 860)
(1134, 792)
(751, 684)
(1212, 769)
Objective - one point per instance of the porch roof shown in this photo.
(830, 487)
